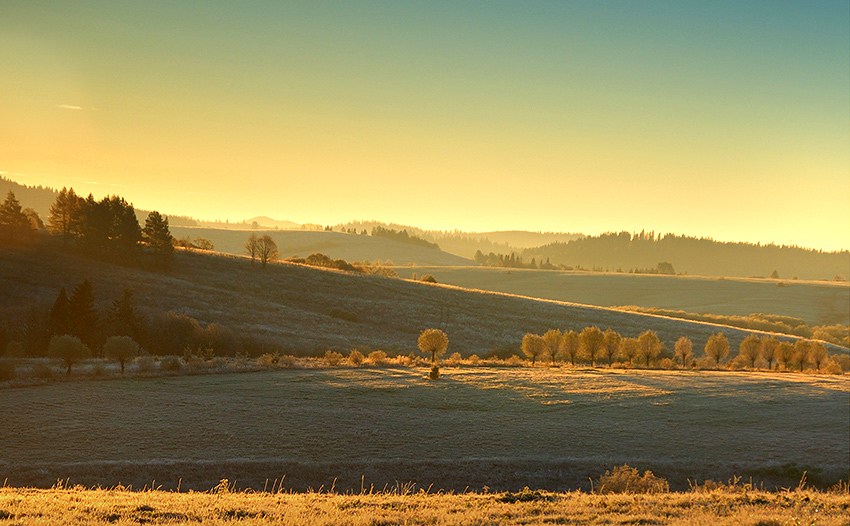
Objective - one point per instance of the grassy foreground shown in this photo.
(728, 505)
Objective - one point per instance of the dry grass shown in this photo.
(406, 505)
(816, 302)
(503, 428)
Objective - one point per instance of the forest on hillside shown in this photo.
(625, 252)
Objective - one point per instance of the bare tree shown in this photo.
(684, 349)
(750, 350)
(433, 341)
(266, 249)
(650, 346)
(571, 346)
(590, 341)
(533, 346)
(69, 349)
(769, 347)
(610, 344)
(251, 246)
(120, 348)
(717, 347)
(629, 349)
(554, 343)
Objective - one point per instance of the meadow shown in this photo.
(374, 428)
(815, 302)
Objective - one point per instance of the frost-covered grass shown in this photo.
(503, 428)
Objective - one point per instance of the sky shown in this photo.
(728, 120)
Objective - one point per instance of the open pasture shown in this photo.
(815, 302)
(504, 429)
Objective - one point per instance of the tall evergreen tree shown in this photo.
(82, 315)
(14, 224)
(58, 322)
(122, 319)
(62, 213)
(157, 235)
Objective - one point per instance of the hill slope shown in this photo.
(350, 247)
(292, 304)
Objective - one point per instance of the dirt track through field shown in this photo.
(503, 428)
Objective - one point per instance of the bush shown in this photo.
(287, 360)
(169, 363)
(435, 373)
(667, 364)
(7, 371)
(514, 361)
(377, 357)
(428, 278)
(268, 359)
(454, 359)
(145, 364)
(474, 360)
(43, 371)
(625, 479)
(333, 358)
(355, 357)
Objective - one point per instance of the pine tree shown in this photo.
(62, 213)
(82, 315)
(58, 321)
(157, 235)
(14, 224)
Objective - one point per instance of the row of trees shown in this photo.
(593, 345)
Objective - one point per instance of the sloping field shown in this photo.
(476, 427)
(292, 304)
(350, 247)
(815, 302)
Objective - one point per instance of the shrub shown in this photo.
(98, 369)
(435, 373)
(7, 371)
(625, 479)
(43, 371)
(333, 358)
(268, 359)
(377, 357)
(355, 357)
(428, 278)
(667, 364)
(287, 360)
(145, 364)
(474, 360)
(169, 363)
(454, 359)
(514, 361)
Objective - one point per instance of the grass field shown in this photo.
(476, 427)
(292, 305)
(815, 302)
(700, 508)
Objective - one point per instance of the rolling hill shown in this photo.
(292, 305)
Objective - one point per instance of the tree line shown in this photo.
(592, 346)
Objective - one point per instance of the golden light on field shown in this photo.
(726, 121)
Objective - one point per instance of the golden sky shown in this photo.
(721, 119)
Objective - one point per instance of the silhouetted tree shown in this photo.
(82, 315)
(69, 349)
(433, 341)
(683, 348)
(62, 213)
(554, 343)
(121, 318)
(252, 246)
(533, 345)
(750, 350)
(650, 346)
(157, 235)
(590, 341)
(610, 344)
(14, 225)
(59, 320)
(266, 249)
(717, 347)
(572, 346)
(120, 348)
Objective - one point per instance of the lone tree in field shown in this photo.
(69, 349)
(554, 343)
(590, 341)
(533, 346)
(433, 341)
(157, 235)
(684, 348)
(769, 347)
(266, 249)
(650, 346)
(717, 347)
(629, 349)
(120, 348)
(251, 246)
(610, 344)
(571, 346)
(750, 350)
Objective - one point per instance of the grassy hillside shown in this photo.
(817, 303)
(504, 428)
(350, 247)
(292, 304)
